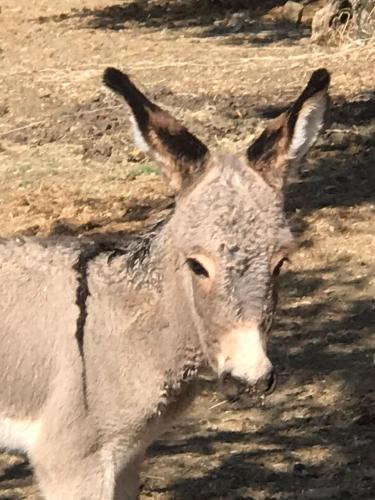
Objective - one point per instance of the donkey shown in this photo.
(101, 344)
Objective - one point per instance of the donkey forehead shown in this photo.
(240, 186)
(237, 209)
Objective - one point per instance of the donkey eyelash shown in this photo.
(197, 268)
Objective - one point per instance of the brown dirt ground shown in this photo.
(68, 165)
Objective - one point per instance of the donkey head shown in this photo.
(229, 233)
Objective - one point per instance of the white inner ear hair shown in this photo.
(138, 136)
(309, 122)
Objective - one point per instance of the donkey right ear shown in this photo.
(181, 154)
(286, 141)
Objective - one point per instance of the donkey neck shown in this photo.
(138, 280)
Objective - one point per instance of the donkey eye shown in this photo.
(279, 265)
(197, 268)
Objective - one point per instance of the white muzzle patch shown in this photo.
(242, 354)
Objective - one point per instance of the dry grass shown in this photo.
(46, 190)
(270, 76)
(346, 29)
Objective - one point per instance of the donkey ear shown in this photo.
(290, 136)
(181, 154)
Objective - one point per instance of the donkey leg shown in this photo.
(127, 480)
(62, 477)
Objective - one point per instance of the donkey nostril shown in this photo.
(267, 383)
(272, 382)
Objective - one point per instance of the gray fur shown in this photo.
(102, 345)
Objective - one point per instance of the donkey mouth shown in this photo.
(237, 390)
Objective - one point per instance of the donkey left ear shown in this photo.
(285, 142)
(182, 156)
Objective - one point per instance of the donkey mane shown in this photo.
(135, 248)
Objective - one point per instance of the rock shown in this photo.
(237, 21)
(237, 18)
(292, 12)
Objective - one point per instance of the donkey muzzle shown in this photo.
(234, 387)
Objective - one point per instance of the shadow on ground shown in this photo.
(338, 437)
(216, 18)
(17, 475)
(342, 173)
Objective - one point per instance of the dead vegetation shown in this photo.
(68, 165)
(340, 21)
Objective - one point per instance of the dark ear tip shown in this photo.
(319, 79)
(114, 78)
